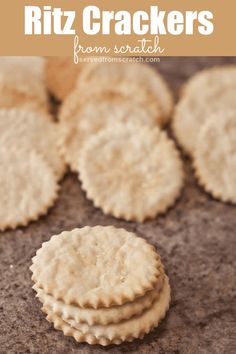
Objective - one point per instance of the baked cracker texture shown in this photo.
(96, 267)
(32, 129)
(101, 285)
(23, 77)
(215, 156)
(135, 327)
(97, 76)
(28, 187)
(206, 92)
(136, 173)
(93, 115)
(102, 316)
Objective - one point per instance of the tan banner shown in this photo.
(122, 28)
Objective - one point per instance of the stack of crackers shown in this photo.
(205, 126)
(101, 285)
(30, 162)
(112, 134)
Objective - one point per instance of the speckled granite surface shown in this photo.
(196, 239)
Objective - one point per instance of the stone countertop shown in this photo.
(196, 239)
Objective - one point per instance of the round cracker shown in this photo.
(103, 316)
(206, 92)
(99, 76)
(136, 327)
(96, 267)
(24, 75)
(61, 75)
(131, 172)
(33, 130)
(215, 155)
(28, 187)
(94, 114)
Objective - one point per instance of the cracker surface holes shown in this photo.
(131, 172)
(96, 267)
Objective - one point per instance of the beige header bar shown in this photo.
(182, 43)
